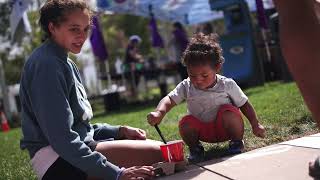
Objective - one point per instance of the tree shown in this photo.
(118, 28)
(4, 36)
(4, 18)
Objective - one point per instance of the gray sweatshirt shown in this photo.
(56, 112)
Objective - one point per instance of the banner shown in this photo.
(97, 41)
(262, 19)
(155, 36)
(19, 22)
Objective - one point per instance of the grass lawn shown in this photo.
(279, 106)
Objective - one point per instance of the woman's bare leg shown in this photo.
(127, 153)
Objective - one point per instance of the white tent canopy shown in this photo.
(184, 11)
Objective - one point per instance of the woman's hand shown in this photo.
(137, 172)
(127, 132)
(259, 130)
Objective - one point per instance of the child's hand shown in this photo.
(154, 118)
(128, 132)
(259, 131)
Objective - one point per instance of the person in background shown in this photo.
(56, 128)
(133, 63)
(213, 101)
(207, 28)
(179, 41)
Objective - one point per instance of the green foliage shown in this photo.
(13, 70)
(36, 34)
(118, 28)
(13, 67)
(4, 19)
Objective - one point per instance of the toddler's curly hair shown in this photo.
(202, 50)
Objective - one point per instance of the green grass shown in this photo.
(279, 106)
(14, 163)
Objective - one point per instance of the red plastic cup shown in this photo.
(173, 151)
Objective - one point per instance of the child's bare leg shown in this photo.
(127, 153)
(189, 135)
(233, 124)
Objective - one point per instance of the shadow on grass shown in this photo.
(130, 107)
(305, 119)
(216, 152)
(300, 125)
(259, 89)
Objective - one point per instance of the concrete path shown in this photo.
(283, 161)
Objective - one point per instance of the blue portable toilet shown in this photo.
(241, 60)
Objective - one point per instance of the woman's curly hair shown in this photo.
(202, 50)
(55, 11)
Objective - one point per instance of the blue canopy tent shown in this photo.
(188, 12)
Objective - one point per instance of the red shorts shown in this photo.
(211, 131)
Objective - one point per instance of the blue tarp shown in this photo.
(184, 11)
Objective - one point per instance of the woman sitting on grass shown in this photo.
(55, 111)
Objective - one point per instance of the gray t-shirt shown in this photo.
(204, 104)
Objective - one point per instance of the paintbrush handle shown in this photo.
(159, 132)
